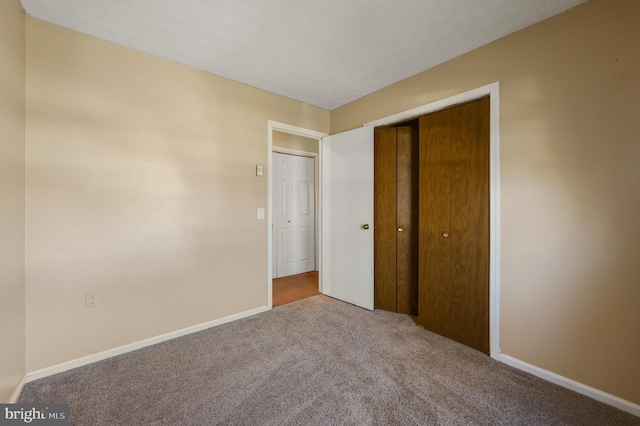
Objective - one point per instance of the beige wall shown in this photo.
(299, 143)
(570, 173)
(141, 187)
(12, 140)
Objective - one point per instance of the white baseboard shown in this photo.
(79, 362)
(594, 393)
(18, 390)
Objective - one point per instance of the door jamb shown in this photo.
(298, 131)
(493, 90)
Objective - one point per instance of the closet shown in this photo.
(447, 234)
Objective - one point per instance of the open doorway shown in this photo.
(294, 213)
(294, 199)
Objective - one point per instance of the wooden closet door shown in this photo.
(396, 218)
(454, 224)
(434, 258)
(407, 220)
(384, 238)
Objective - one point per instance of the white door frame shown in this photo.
(275, 126)
(493, 90)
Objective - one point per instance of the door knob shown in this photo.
(400, 229)
(445, 234)
(365, 226)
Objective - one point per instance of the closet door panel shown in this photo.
(385, 219)
(470, 224)
(407, 220)
(434, 263)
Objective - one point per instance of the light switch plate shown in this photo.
(258, 170)
(260, 213)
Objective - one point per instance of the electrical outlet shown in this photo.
(91, 299)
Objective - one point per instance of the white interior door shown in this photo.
(294, 181)
(347, 216)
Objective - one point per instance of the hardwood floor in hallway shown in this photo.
(295, 287)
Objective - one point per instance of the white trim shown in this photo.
(437, 105)
(494, 218)
(493, 91)
(598, 395)
(18, 390)
(321, 259)
(89, 359)
(295, 130)
(307, 133)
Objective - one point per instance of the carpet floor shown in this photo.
(317, 361)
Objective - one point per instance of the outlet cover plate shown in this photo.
(91, 299)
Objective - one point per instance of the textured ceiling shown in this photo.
(323, 52)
